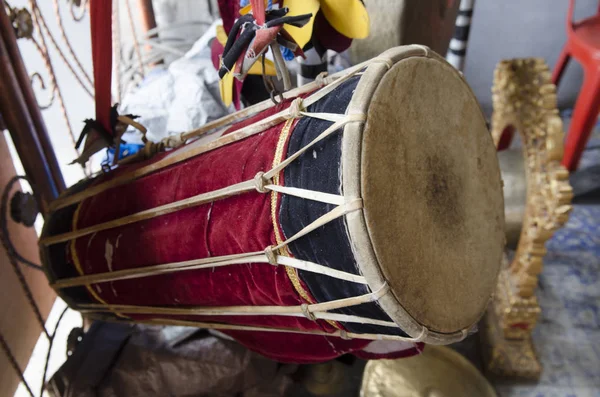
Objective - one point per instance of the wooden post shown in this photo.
(148, 21)
(23, 119)
(147, 12)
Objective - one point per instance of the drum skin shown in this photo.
(439, 237)
(364, 242)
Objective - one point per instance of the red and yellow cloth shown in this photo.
(331, 24)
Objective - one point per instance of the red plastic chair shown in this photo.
(583, 43)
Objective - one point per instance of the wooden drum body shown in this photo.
(364, 212)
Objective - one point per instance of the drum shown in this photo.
(365, 209)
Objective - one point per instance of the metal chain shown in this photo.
(269, 85)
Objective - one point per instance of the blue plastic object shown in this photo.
(127, 149)
(244, 3)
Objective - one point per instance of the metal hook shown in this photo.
(269, 86)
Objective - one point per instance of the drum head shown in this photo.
(426, 168)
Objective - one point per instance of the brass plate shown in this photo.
(438, 372)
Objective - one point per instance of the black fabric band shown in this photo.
(231, 56)
(461, 53)
(462, 32)
(319, 169)
(312, 71)
(235, 30)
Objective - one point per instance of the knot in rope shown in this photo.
(307, 313)
(424, 48)
(271, 255)
(295, 110)
(260, 182)
(388, 62)
(175, 141)
(423, 335)
(380, 292)
(322, 79)
(464, 333)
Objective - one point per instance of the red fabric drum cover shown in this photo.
(380, 192)
(242, 223)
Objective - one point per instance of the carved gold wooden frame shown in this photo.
(524, 99)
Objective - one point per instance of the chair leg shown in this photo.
(559, 68)
(584, 118)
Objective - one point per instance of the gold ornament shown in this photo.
(524, 100)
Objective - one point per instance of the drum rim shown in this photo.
(358, 232)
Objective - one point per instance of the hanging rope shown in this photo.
(50, 344)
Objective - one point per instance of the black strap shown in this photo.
(235, 30)
(312, 71)
(236, 45)
(297, 21)
(239, 45)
